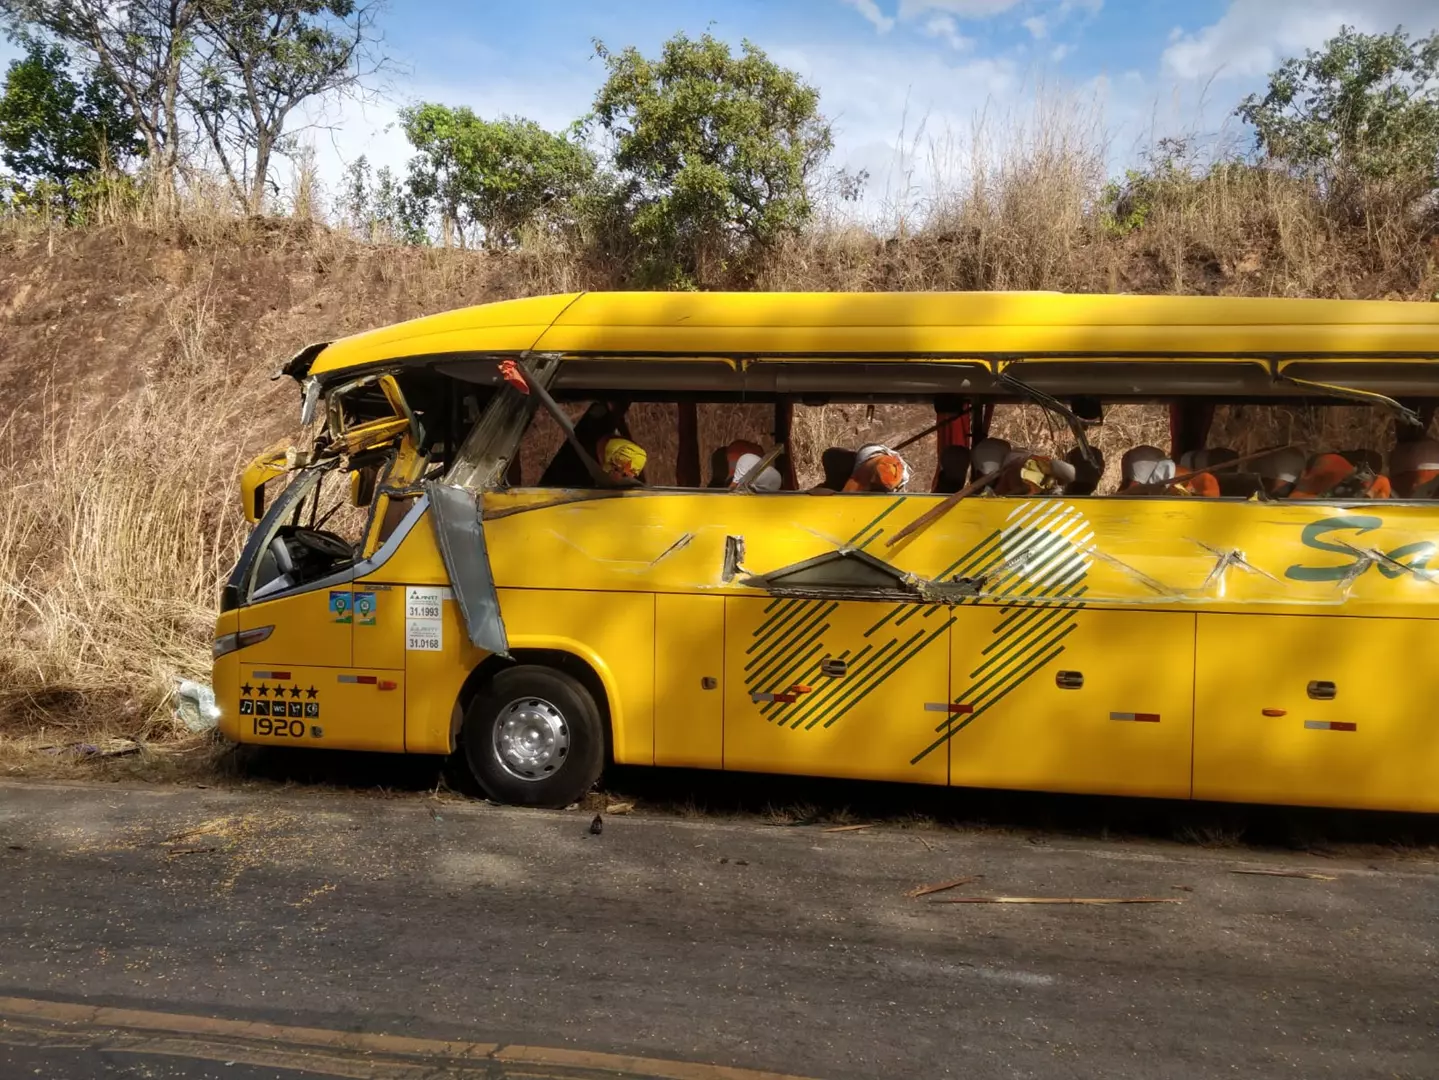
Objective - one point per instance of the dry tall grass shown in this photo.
(118, 525)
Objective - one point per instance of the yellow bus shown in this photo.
(1243, 646)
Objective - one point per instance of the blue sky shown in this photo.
(911, 85)
(907, 83)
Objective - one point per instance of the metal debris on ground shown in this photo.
(849, 828)
(1311, 875)
(1058, 900)
(925, 890)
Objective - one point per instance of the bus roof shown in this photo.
(935, 326)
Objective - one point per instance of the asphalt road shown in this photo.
(168, 932)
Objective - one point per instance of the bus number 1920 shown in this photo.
(278, 728)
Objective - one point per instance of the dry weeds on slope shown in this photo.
(133, 358)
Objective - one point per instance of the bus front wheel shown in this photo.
(533, 737)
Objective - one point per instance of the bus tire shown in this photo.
(533, 737)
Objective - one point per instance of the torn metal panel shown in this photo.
(566, 497)
(1387, 563)
(959, 590)
(461, 538)
(1224, 560)
(846, 573)
(733, 559)
(679, 545)
(485, 454)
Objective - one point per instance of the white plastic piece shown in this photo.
(195, 705)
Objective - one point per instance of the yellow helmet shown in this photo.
(620, 457)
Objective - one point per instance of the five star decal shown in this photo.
(309, 709)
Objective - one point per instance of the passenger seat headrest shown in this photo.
(1283, 465)
(1145, 465)
(988, 455)
(767, 480)
(873, 450)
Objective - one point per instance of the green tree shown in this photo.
(141, 45)
(1363, 109)
(377, 205)
(498, 176)
(254, 62)
(226, 73)
(55, 129)
(714, 150)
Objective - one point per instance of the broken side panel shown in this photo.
(1318, 710)
(461, 539)
(834, 687)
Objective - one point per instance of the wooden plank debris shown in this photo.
(1311, 875)
(1058, 900)
(925, 890)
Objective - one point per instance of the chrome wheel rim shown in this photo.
(531, 738)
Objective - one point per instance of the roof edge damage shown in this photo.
(920, 325)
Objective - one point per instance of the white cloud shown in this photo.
(1059, 52)
(1253, 36)
(870, 10)
(909, 116)
(1037, 26)
(967, 9)
(946, 29)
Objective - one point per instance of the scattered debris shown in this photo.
(190, 851)
(925, 890)
(109, 748)
(1184, 888)
(195, 705)
(597, 826)
(619, 808)
(1059, 900)
(849, 828)
(1311, 875)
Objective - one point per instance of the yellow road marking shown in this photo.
(340, 1053)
